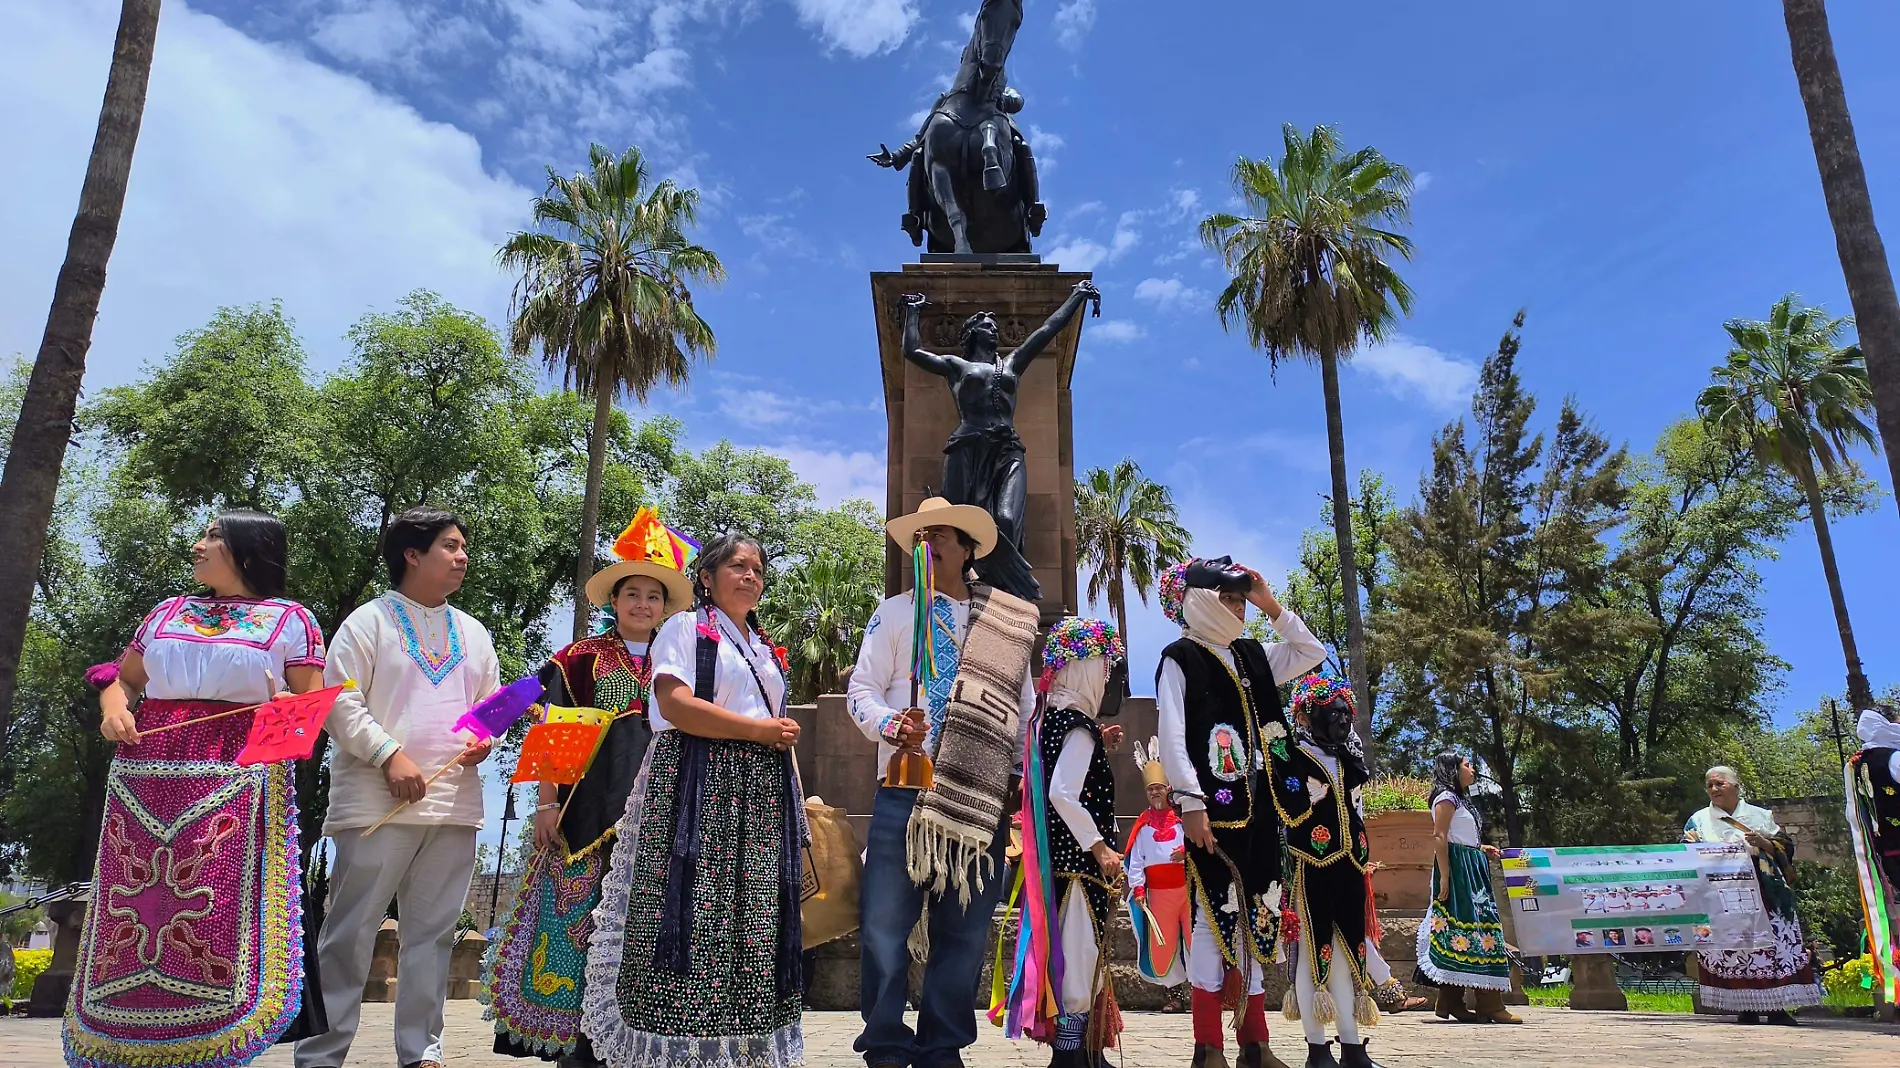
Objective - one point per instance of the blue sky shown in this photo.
(1632, 174)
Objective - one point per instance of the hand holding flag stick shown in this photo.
(486, 721)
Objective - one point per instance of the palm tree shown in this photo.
(1313, 277)
(1799, 398)
(603, 293)
(819, 610)
(1844, 184)
(37, 450)
(1126, 532)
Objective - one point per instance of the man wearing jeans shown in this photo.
(960, 912)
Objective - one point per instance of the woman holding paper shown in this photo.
(1771, 979)
(695, 958)
(535, 982)
(193, 951)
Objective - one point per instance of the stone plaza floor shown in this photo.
(1551, 1037)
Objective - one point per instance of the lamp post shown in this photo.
(501, 851)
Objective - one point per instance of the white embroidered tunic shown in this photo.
(225, 648)
(417, 669)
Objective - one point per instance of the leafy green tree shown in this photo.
(818, 610)
(1313, 275)
(1488, 565)
(604, 293)
(1691, 654)
(1127, 532)
(1800, 398)
(747, 491)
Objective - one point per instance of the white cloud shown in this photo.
(658, 71)
(1087, 208)
(1408, 368)
(1183, 203)
(838, 476)
(1168, 293)
(1044, 140)
(859, 27)
(1420, 181)
(259, 174)
(1078, 254)
(1116, 331)
(377, 32)
(1074, 19)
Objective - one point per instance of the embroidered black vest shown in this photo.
(1224, 713)
(1066, 855)
(1319, 832)
(1880, 800)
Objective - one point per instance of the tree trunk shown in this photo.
(1857, 241)
(1118, 603)
(1348, 566)
(31, 480)
(1858, 691)
(590, 508)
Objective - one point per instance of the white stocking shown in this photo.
(1339, 984)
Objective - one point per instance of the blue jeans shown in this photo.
(959, 941)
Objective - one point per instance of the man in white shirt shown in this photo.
(418, 664)
(1218, 701)
(881, 705)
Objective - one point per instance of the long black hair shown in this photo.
(258, 549)
(1448, 777)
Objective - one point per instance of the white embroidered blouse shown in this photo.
(745, 663)
(225, 648)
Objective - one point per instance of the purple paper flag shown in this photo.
(501, 709)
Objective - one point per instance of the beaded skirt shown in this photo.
(192, 949)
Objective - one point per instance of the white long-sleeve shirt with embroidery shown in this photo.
(1297, 652)
(880, 684)
(1065, 787)
(1144, 850)
(396, 705)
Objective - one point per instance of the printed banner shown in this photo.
(1635, 899)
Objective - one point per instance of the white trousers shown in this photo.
(1339, 984)
(426, 869)
(1080, 952)
(1207, 969)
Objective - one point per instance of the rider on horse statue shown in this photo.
(918, 186)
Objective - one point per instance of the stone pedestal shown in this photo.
(921, 414)
(465, 966)
(1593, 984)
(54, 985)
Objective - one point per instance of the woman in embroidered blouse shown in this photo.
(536, 981)
(695, 956)
(1763, 982)
(1461, 944)
(192, 953)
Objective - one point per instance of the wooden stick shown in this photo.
(430, 781)
(201, 719)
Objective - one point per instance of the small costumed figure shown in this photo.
(1156, 862)
(1063, 993)
(1217, 700)
(1330, 928)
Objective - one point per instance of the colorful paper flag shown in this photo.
(593, 717)
(287, 728)
(558, 752)
(501, 709)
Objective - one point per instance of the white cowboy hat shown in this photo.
(646, 548)
(937, 512)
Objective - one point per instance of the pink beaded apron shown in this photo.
(192, 952)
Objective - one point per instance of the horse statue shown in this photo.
(975, 189)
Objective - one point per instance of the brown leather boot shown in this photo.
(1209, 1057)
(1451, 1005)
(1491, 1008)
(1257, 1055)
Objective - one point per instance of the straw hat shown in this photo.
(651, 549)
(937, 512)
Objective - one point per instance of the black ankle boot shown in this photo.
(1355, 1057)
(1320, 1055)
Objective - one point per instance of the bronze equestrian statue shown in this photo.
(975, 189)
(983, 462)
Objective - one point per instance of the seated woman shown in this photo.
(1779, 976)
(695, 957)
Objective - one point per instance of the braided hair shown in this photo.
(711, 558)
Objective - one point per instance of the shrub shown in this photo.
(27, 966)
(1397, 793)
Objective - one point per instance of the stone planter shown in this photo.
(1401, 844)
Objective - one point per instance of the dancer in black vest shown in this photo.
(1218, 698)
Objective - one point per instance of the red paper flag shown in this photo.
(287, 728)
(557, 752)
